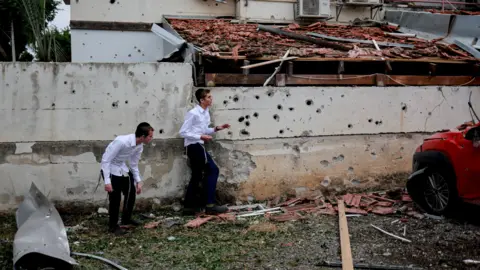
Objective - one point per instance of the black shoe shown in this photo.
(216, 209)
(117, 231)
(131, 222)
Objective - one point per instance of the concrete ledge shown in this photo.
(254, 169)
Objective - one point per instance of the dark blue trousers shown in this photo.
(204, 171)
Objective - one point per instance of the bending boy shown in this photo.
(119, 178)
(196, 132)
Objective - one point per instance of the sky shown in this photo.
(62, 19)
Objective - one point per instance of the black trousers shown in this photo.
(204, 172)
(121, 185)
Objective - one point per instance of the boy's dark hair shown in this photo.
(143, 129)
(201, 93)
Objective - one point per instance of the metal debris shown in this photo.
(41, 240)
(391, 234)
(372, 42)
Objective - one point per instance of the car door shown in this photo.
(468, 181)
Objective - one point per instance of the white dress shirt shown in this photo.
(195, 125)
(118, 151)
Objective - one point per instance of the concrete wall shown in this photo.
(115, 46)
(58, 119)
(148, 11)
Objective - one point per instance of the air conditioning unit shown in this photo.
(313, 9)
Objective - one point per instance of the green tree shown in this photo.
(30, 20)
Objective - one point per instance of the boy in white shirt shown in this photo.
(121, 179)
(196, 132)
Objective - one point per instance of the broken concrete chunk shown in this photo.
(102, 210)
(384, 204)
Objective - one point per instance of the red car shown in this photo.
(446, 169)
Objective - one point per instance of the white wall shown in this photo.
(58, 118)
(148, 11)
(265, 11)
(59, 102)
(341, 110)
(97, 101)
(101, 46)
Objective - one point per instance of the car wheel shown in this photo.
(436, 192)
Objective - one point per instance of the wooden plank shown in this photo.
(213, 79)
(397, 80)
(331, 59)
(292, 35)
(330, 80)
(347, 261)
(269, 62)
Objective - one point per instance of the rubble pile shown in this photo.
(223, 38)
(390, 203)
(395, 203)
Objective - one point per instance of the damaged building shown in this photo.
(321, 95)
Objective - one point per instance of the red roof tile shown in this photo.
(223, 38)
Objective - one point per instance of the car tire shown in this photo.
(435, 192)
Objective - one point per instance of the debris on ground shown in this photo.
(394, 202)
(41, 239)
(391, 234)
(152, 225)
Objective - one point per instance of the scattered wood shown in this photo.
(296, 36)
(218, 79)
(199, 221)
(277, 69)
(368, 266)
(384, 44)
(391, 234)
(347, 262)
(259, 212)
(269, 62)
(381, 198)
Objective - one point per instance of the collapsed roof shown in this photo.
(222, 38)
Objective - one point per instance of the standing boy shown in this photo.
(119, 178)
(196, 132)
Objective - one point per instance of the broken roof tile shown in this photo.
(383, 210)
(221, 37)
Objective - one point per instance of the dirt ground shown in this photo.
(255, 243)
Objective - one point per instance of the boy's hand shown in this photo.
(108, 188)
(224, 126)
(139, 188)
